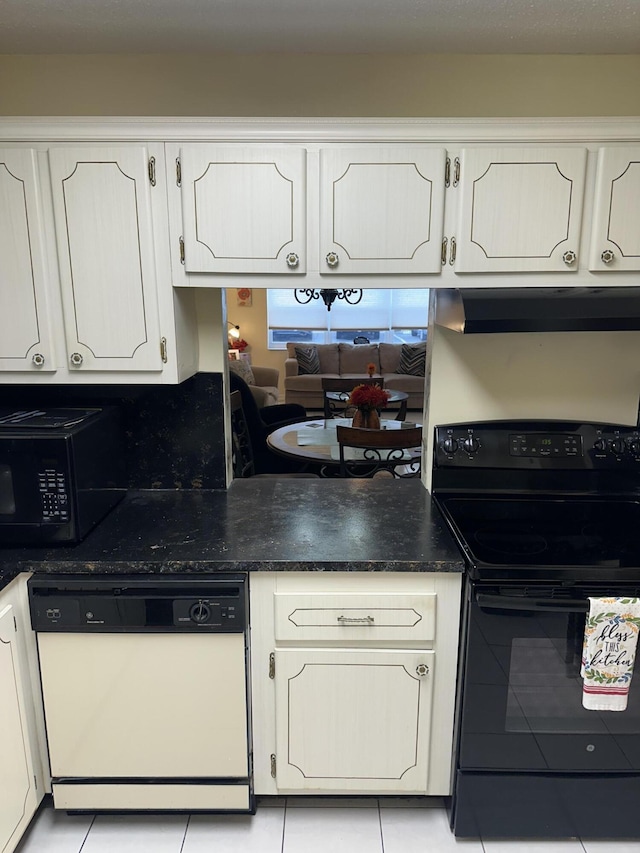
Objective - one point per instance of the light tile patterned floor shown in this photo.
(296, 825)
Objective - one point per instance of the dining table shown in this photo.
(315, 442)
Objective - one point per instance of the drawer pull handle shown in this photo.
(359, 620)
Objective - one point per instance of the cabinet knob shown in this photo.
(38, 359)
(607, 256)
(292, 260)
(422, 669)
(332, 259)
(569, 258)
(76, 359)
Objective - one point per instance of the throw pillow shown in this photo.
(412, 359)
(308, 361)
(243, 370)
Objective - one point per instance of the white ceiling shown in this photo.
(320, 26)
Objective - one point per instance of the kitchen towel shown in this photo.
(609, 651)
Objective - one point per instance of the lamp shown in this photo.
(304, 295)
(234, 331)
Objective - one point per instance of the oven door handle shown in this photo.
(550, 605)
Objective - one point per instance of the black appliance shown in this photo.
(61, 471)
(546, 514)
(481, 310)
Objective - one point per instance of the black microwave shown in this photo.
(61, 471)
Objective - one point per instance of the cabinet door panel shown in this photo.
(520, 209)
(353, 720)
(107, 267)
(17, 795)
(616, 232)
(244, 209)
(25, 339)
(381, 209)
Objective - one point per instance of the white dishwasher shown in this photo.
(145, 687)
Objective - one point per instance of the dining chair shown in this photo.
(344, 387)
(262, 421)
(243, 459)
(368, 452)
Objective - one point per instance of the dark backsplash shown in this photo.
(174, 433)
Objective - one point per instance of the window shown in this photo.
(392, 316)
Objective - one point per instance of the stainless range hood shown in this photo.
(538, 309)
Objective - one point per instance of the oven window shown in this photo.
(7, 496)
(545, 688)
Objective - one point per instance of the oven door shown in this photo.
(522, 691)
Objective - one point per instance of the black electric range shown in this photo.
(547, 514)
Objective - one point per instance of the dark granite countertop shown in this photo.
(259, 524)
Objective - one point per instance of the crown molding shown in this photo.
(449, 131)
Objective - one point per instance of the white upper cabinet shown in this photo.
(381, 209)
(244, 209)
(520, 209)
(102, 208)
(615, 238)
(25, 338)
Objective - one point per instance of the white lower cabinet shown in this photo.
(353, 720)
(347, 694)
(21, 785)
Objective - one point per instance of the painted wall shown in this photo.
(592, 376)
(253, 328)
(320, 85)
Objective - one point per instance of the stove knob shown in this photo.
(634, 446)
(600, 444)
(200, 612)
(617, 445)
(471, 444)
(450, 445)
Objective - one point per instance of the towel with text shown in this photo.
(609, 652)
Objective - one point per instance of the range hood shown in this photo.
(538, 309)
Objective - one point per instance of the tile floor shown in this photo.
(296, 825)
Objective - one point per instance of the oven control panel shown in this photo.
(533, 444)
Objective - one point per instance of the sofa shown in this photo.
(349, 361)
(263, 381)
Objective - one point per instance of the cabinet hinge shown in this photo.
(272, 665)
(443, 253)
(181, 241)
(163, 350)
(152, 171)
(273, 765)
(35, 781)
(452, 253)
(178, 172)
(15, 625)
(456, 172)
(447, 172)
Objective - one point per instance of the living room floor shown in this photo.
(291, 825)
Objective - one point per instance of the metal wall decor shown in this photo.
(304, 295)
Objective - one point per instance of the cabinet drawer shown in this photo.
(355, 616)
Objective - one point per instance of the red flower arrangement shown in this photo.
(238, 343)
(369, 397)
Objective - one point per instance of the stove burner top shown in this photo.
(511, 542)
(538, 533)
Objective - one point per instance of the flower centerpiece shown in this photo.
(371, 368)
(367, 399)
(238, 343)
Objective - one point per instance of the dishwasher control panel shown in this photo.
(87, 604)
(206, 611)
